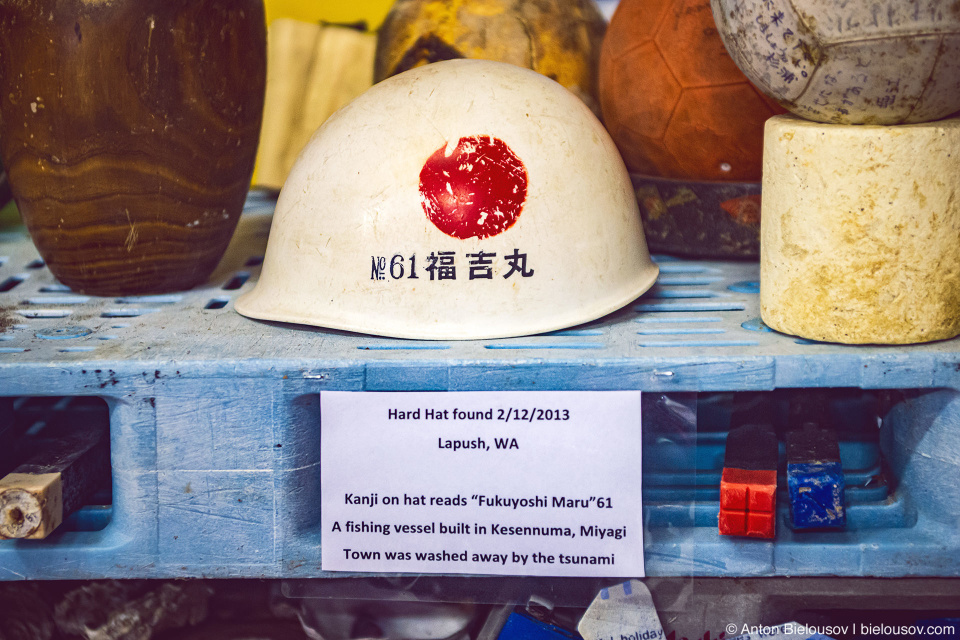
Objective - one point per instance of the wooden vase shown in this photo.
(129, 130)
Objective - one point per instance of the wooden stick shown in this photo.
(56, 481)
(8, 436)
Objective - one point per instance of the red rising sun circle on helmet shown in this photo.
(474, 188)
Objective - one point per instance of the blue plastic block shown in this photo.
(816, 495)
(815, 479)
(520, 626)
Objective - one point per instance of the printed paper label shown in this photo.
(504, 483)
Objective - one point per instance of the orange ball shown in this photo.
(673, 99)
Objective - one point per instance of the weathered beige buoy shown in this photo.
(860, 237)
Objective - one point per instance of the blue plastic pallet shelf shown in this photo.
(214, 420)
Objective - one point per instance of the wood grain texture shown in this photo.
(129, 130)
(31, 505)
(312, 71)
(56, 479)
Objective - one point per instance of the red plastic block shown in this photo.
(748, 501)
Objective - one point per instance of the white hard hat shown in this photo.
(463, 199)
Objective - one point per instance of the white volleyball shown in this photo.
(851, 62)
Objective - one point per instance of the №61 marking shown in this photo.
(441, 265)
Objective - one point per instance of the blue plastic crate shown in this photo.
(215, 420)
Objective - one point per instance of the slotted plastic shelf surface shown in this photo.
(698, 310)
(215, 417)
